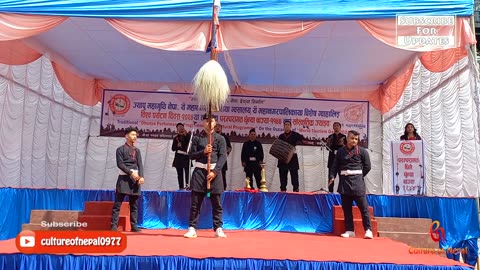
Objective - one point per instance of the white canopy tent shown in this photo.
(327, 57)
(48, 140)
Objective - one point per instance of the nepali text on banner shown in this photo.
(407, 168)
(155, 115)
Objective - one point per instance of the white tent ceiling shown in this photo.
(337, 54)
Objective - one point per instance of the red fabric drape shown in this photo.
(438, 61)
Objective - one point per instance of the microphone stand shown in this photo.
(397, 187)
(423, 181)
(323, 144)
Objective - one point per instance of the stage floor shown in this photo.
(265, 245)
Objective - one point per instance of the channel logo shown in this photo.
(26, 239)
(437, 233)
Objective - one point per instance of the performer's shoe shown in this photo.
(192, 233)
(348, 234)
(219, 233)
(114, 228)
(368, 234)
(135, 229)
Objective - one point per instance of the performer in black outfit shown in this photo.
(218, 129)
(353, 164)
(130, 179)
(181, 160)
(252, 157)
(199, 152)
(292, 138)
(334, 141)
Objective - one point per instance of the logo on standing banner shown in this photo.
(407, 148)
(436, 232)
(119, 104)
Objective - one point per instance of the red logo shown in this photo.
(407, 147)
(354, 113)
(436, 232)
(119, 104)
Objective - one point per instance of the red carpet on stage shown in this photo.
(268, 246)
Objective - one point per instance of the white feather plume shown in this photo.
(210, 85)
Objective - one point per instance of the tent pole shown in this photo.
(473, 46)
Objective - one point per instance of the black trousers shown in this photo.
(224, 177)
(183, 173)
(133, 201)
(217, 210)
(250, 172)
(283, 171)
(347, 203)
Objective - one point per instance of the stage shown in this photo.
(265, 230)
(167, 249)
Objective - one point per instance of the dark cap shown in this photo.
(205, 117)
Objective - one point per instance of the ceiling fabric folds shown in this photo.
(240, 10)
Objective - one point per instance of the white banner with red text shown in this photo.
(408, 168)
(155, 115)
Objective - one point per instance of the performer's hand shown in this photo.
(329, 141)
(141, 180)
(135, 176)
(211, 176)
(244, 164)
(331, 181)
(208, 149)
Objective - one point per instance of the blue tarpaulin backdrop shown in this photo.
(240, 10)
(252, 211)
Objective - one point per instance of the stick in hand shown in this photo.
(210, 174)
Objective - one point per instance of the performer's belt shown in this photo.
(351, 172)
(204, 166)
(182, 152)
(123, 173)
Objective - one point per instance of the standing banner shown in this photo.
(408, 168)
(156, 114)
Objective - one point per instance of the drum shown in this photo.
(282, 150)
